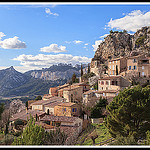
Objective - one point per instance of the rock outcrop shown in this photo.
(118, 44)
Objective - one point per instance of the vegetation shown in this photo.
(36, 135)
(97, 109)
(129, 113)
(120, 140)
(81, 70)
(102, 132)
(74, 79)
(140, 40)
(34, 87)
(38, 97)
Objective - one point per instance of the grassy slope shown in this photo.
(102, 132)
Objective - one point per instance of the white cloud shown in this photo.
(86, 44)
(42, 61)
(77, 41)
(68, 42)
(131, 22)
(95, 46)
(48, 11)
(2, 34)
(53, 48)
(12, 43)
(103, 36)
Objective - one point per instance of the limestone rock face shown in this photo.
(118, 44)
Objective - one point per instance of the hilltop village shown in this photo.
(65, 106)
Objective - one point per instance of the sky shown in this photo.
(38, 35)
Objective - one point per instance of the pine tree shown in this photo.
(129, 113)
(32, 134)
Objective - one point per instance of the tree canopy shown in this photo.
(97, 109)
(129, 113)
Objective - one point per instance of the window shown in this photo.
(74, 109)
(107, 83)
(113, 72)
(113, 83)
(113, 67)
(116, 82)
(110, 72)
(113, 62)
(110, 67)
(53, 123)
(142, 67)
(134, 67)
(134, 60)
(102, 82)
(129, 67)
(110, 62)
(142, 73)
(63, 109)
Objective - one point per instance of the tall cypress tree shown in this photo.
(88, 69)
(81, 70)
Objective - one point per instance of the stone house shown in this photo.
(67, 109)
(24, 115)
(112, 83)
(133, 63)
(40, 104)
(54, 91)
(117, 65)
(89, 96)
(73, 93)
(62, 121)
(144, 67)
(46, 97)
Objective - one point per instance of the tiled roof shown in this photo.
(107, 91)
(88, 92)
(116, 59)
(52, 99)
(66, 104)
(59, 118)
(110, 77)
(53, 104)
(23, 115)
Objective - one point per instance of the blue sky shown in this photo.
(37, 36)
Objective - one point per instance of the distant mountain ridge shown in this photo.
(14, 83)
(35, 82)
(55, 72)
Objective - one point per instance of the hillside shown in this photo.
(118, 44)
(56, 72)
(14, 83)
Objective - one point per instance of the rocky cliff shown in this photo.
(55, 72)
(118, 44)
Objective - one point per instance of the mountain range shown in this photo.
(35, 82)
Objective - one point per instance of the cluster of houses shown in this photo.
(62, 107)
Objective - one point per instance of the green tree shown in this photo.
(147, 138)
(73, 78)
(88, 69)
(81, 70)
(120, 140)
(1, 109)
(38, 97)
(129, 113)
(55, 137)
(32, 134)
(36, 135)
(96, 111)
